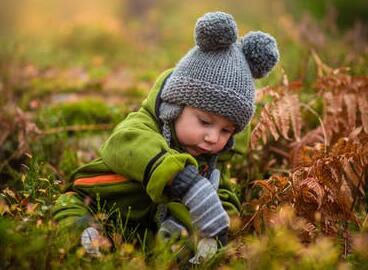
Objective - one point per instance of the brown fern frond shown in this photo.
(341, 174)
(273, 191)
(269, 121)
(325, 190)
(266, 186)
(329, 164)
(259, 131)
(345, 100)
(280, 116)
(264, 92)
(304, 152)
(311, 191)
(322, 68)
(363, 109)
(350, 101)
(295, 115)
(333, 107)
(353, 172)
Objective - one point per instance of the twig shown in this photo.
(247, 224)
(6, 161)
(280, 170)
(320, 121)
(321, 67)
(365, 221)
(280, 152)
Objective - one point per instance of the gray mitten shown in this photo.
(215, 178)
(90, 241)
(199, 195)
(171, 227)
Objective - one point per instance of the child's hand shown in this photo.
(206, 248)
(171, 227)
(205, 207)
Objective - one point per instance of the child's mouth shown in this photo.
(199, 150)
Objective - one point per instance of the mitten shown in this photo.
(171, 227)
(90, 241)
(215, 178)
(206, 248)
(205, 207)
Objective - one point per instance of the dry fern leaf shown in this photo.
(280, 116)
(295, 114)
(269, 121)
(353, 173)
(332, 108)
(311, 191)
(345, 101)
(304, 152)
(340, 173)
(268, 189)
(351, 104)
(363, 109)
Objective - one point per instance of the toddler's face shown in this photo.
(202, 132)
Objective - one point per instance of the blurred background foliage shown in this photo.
(146, 35)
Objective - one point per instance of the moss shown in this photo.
(99, 72)
(41, 87)
(86, 111)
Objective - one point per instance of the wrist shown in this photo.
(184, 180)
(222, 237)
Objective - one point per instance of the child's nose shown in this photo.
(212, 136)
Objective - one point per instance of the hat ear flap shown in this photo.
(260, 50)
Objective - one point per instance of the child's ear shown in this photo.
(260, 50)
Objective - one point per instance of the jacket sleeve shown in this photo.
(137, 150)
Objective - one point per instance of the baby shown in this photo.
(158, 167)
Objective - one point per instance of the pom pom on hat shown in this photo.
(215, 30)
(261, 52)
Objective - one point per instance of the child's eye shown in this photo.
(204, 122)
(227, 131)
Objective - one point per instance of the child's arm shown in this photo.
(138, 151)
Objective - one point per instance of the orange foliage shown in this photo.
(328, 165)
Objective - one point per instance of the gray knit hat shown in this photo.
(217, 75)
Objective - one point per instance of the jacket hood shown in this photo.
(153, 100)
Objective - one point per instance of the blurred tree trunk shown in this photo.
(138, 13)
(138, 9)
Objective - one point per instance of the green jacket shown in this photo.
(137, 150)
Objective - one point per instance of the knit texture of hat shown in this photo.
(217, 75)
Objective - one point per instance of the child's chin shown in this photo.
(193, 151)
(194, 154)
(197, 152)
